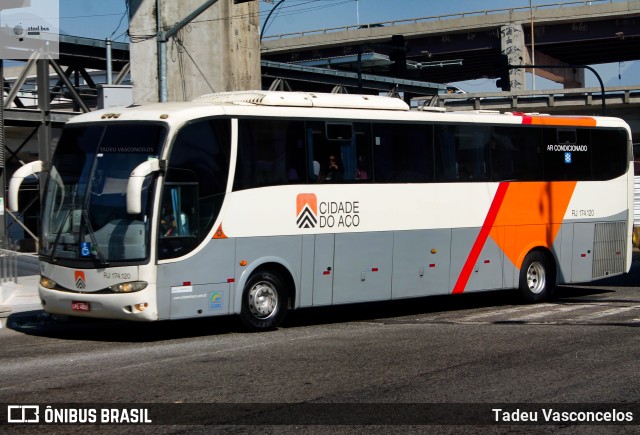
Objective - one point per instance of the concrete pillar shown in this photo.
(218, 51)
(512, 44)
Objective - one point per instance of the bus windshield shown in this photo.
(84, 209)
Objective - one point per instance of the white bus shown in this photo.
(254, 203)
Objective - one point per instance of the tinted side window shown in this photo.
(516, 154)
(609, 153)
(567, 154)
(339, 152)
(270, 152)
(403, 153)
(462, 153)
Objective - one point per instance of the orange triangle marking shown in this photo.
(219, 234)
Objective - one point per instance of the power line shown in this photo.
(292, 11)
(89, 16)
(126, 12)
(299, 7)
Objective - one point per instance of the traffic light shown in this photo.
(502, 70)
(398, 55)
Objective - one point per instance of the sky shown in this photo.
(108, 18)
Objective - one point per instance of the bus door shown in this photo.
(192, 287)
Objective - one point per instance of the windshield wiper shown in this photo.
(94, 241)
(58, 235)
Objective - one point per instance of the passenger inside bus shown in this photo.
(334, 169)
(361, 169)
(168, 225)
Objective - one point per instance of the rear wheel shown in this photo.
(537, 277)
(264, 301)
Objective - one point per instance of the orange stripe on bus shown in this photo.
(530, 216)
(559, 120)
(522, 216)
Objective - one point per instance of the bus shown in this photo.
(255, 203)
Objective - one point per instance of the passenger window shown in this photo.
(270, 152)
(516, 154)
(462, 153)
(362, 166)
(567, 154)
(403, 153)
(610, 153)
(339, 152)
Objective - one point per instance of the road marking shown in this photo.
(556, 312)
(552, 311)
(605, 313)
(500, 312)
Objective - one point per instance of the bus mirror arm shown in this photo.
(17, 178)
(136, 180)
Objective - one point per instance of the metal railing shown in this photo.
(615, 96)
(434, 18)
(8, 262)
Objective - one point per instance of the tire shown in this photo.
(264, 301)
(537, 278)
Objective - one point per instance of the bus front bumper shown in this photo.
(138, 306)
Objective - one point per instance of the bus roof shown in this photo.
(306, 99)
(322, 106)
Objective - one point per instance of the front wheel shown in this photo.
(264, 301)
(537, 278)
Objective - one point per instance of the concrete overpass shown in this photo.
(620, 101)
(466, 46)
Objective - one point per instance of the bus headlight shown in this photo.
(128, 287)
(47, 283)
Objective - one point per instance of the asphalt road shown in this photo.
(453, 352)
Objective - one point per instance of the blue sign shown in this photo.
(85, 249)
(567, 157)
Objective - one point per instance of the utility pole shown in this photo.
(215, 48)
(163, 38)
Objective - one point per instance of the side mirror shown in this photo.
(17, 178)
(136, 179)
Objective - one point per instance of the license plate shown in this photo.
(80, 306)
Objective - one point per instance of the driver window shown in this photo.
(194, 186)
(179, 208)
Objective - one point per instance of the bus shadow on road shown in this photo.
(374, 311)
(39, 323)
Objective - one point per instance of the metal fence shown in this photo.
(8, 261)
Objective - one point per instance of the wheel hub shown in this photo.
(536, 278)
(263, 300)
